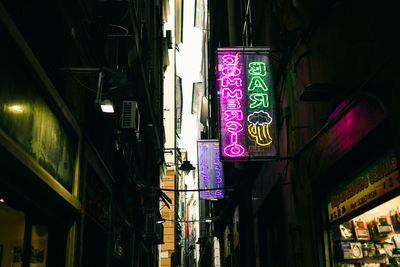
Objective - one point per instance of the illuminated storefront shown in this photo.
(359, 185)
(364, 216)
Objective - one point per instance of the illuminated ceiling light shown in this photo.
(16, 108)
(107, 106)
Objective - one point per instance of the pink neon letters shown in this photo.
(232, 94)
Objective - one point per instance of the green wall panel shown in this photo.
(26, 118)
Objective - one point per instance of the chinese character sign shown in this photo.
(246, 104)
(211, 174)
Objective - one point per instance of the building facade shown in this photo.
(335, 86)
(79, 186)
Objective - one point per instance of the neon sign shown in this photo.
(246, 104)
(233, 115)
(258, 118)
(211, 175)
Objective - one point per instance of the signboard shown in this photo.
(247, 122)
(352, 120)
(211, 173)
(379, 179)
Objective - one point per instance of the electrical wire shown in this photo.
(193, 190)
(209, 220)
(83, 85)
(120, 27)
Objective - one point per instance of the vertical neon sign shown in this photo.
(258, 118)
(210, 169)
(232, 93)
(246, 104)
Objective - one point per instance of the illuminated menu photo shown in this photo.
(247, 124)
(211, 173)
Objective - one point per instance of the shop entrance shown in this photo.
(364, 217)
(29, 238)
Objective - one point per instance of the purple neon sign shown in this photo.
(246, 104)
(211, 175)
(232, 95)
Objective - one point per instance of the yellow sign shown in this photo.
(379, 179)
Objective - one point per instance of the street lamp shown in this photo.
(186, 167)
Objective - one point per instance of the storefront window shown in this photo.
(12, 229)
(371, 235)
(370, 239)
(13, 224)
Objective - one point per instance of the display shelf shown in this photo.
(379, 249)
(373, 259)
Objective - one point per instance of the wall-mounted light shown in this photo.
(159, 219)
(107, 106)
(186, 166)
(16, 108)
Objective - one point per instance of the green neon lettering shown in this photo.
(257, 68)
(258, 100)
(256, 83)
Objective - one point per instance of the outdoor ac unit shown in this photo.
(130, 116)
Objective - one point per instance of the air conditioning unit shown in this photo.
(130, 118)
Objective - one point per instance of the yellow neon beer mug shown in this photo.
(260, 134)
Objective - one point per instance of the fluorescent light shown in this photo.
(16, 108)
(107, 106)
